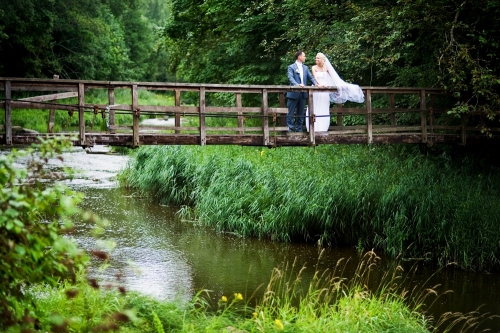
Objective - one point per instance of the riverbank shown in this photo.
(330, 302)
(390, 198)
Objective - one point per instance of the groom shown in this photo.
(298, 74)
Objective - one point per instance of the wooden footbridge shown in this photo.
(254, 115)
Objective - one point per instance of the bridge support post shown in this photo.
(52, 111)
(463, 131)
(81, 114)
(423, 116)
(241, 122)
(136, 116)
(177, 115)
(203, 128)
(369, 125)
(392, 106)
(281, 117)
(8, 113)
(265, 118)
(111, 101)
(339, 114)
(312, 117)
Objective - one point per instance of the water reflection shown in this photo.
(158, 254)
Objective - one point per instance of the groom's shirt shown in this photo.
(299, 66)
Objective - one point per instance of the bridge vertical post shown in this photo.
(8, 113)
(312, 137)
(369, 125)
(136, 112)
(203, 128)
(339, 114)
(281, 118)
(241, 122)
(81, 114)
(111, 101)
(177, 115)
(52, 112)
(265, 118)
(392, 106)
(432, 116)
(463, 131)
(423, 116)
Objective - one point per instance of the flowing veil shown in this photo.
(345, 91)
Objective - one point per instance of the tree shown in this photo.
(98, 40)
(444, 43)
(218, 41)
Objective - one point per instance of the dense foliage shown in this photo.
(442, 43)
(33, 217)
(100, 40)
(446, 43)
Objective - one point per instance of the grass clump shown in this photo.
(381, 197)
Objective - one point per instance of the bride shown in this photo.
(326, 76)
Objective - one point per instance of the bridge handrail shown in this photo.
(65, 88)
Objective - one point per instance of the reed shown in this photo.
(390, 198)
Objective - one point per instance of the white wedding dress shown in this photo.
(321, 102)
(345, 92)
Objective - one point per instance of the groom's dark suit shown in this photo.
(297, 100)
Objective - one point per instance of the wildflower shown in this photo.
(238, 297)
(279, 324)
(254, 315)
(223, 299)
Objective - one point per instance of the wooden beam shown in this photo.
(432, 117)
(423, 116)
(369, 129)
(339, 114)
(81, 113)
(50, 97)
(177, 115)
(265, 118)
(392, 105)
(282, 118)
(111, 102)
(241, 118)
(312, 118)
(203, 132)
(136, 116)
(8, 113)
(52, 111)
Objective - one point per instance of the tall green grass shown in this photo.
(385, 197)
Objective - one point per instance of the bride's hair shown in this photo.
(322, 58)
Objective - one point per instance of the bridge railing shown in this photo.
(401, 114)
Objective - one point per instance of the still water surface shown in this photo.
(158, 254)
